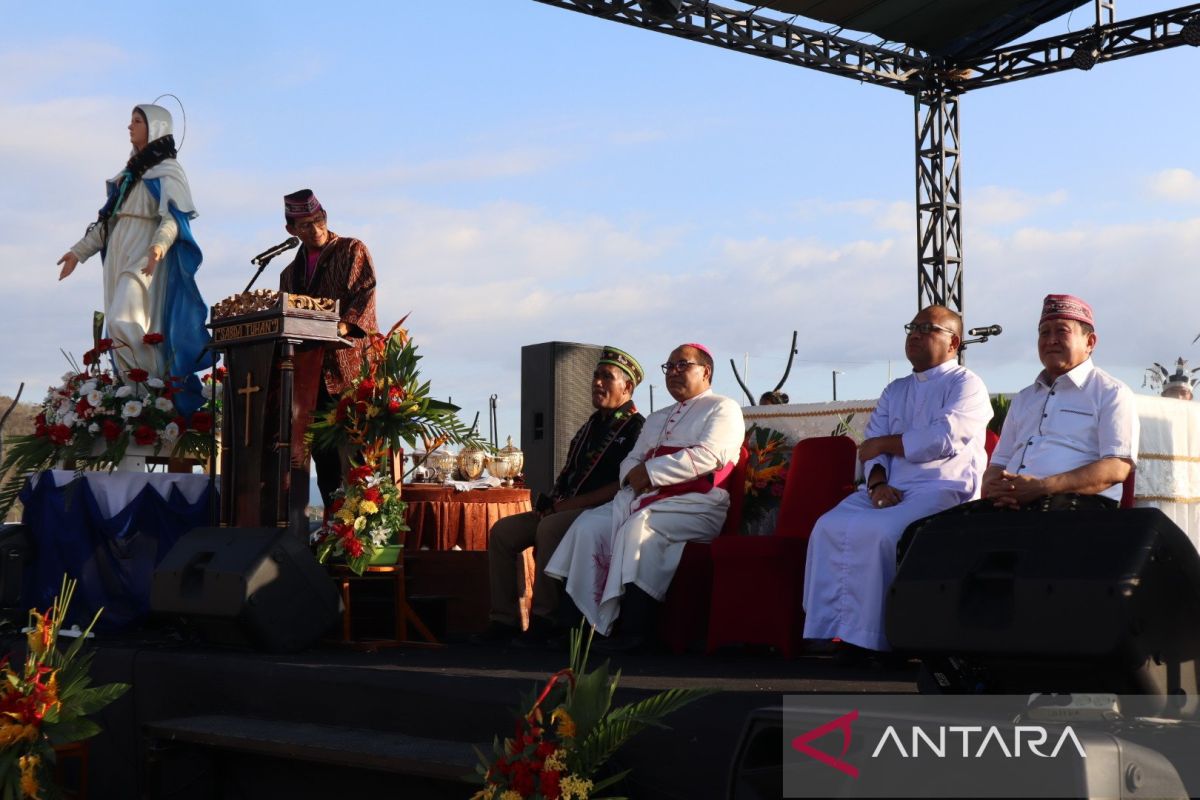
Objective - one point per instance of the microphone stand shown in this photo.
(262, 264)
(977, 340)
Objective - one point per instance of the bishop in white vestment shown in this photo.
(924, 453)
(670, 494)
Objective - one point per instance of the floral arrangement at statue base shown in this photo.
(45, 703)
(97, 415)
(364, 518)
(569, 732)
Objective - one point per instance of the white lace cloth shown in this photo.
(115, 490)
(479, 483)
(1168, 469)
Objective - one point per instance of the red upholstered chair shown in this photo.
(684, 616)
(990, 440)
(758, 581)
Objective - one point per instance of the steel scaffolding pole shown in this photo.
(939, 200)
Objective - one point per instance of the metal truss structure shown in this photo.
(935, 83)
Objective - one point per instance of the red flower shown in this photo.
(39, 425)
(219, 374)
(104, 345)
(202, 422)
(395, 399)
(83, 407)
(342, 406)
(105, 379)
(522, 779)
(89, 358)
(137, 375)
(545, 749)
(360, 474)
(354, 548)
(144, 435)
(152, 338)
(374, 495)
(550, 785)
(59, 434)
(110, 429)
(503, 766)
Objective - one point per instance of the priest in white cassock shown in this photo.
(618, 559)
(923, 454)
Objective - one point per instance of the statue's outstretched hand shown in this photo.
(69, 261)
(154, 255)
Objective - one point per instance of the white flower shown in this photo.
(93, 428)
(67, 376)
(95, 398)
(131, 409)
(124, 390)
(87, 387)
(65, 407)
(70, 418)
(155, 383)
(379, 537)
(164, 404)
(206, 391)
(171, 432)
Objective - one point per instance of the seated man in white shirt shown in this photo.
(1070, 439)
(924, 453)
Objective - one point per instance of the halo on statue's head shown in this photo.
(182, 116)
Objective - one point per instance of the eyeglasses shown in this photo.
(678, 366)
(309, 225)
(925, 328)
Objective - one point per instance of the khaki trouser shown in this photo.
(506, 566)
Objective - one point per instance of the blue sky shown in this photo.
(525, 174)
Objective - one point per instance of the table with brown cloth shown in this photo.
(441, 518)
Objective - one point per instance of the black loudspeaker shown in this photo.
(556, 400)
(1060, 601)
(258, 587)
(16, 551)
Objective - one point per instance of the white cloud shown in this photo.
(1177, 185)
(1000, 205)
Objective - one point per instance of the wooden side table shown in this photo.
(404, 613)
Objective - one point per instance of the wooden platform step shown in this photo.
(325, 744)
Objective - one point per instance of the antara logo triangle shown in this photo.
(801, 743)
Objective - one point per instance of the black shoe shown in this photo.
(496, 633)
(539, 636)
(621, 643)
(851, 655)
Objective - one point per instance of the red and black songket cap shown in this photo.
(298, 205)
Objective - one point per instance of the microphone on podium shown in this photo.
(266, 255)
(990, 330)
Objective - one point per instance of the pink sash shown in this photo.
(702, 485)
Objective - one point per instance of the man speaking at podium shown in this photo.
(338, 268)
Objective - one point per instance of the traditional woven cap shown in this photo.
(301, 204)
(1066, 306)
(624, 362)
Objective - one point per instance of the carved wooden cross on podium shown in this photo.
(248, 390)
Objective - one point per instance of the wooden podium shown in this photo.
(273, 344)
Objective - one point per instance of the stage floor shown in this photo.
(454, 697)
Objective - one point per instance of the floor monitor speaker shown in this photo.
(1059, 601)
(258, 587)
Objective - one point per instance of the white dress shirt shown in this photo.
(1070, 422)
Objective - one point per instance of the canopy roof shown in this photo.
(946, 28)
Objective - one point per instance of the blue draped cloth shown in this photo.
(184, 311)
(113, 558)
